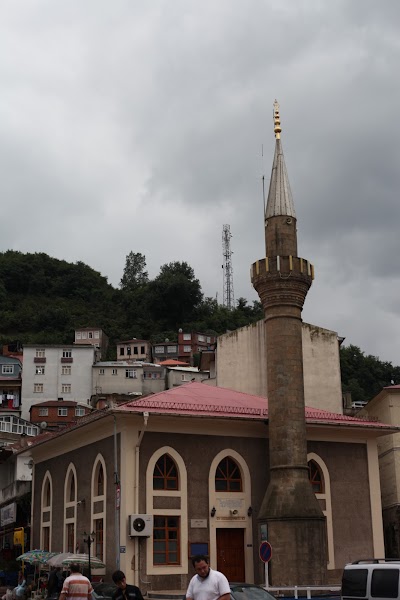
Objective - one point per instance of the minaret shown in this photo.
(295, 522)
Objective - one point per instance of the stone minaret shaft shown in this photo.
(296, 526)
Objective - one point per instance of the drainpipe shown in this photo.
(136, 493)
(117, 483)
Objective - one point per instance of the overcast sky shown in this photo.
(139, 126)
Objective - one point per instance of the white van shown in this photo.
(373, 579)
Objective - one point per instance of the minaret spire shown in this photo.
(277, 121)
(296, 525)
(280, 200)
(280, 216)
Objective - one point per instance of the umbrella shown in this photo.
(57, 559)
(83, 559)
(36, 556)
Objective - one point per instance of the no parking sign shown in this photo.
(265, 551)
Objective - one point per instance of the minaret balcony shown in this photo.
(282, 281)
(281, 265)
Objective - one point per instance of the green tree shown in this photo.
(134, 274)
(365, 375)
(174, 295)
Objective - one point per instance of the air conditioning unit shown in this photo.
(140, 525)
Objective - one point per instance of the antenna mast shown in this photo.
(229, 297)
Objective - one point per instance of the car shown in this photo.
(370, 579)
(103, 591)
(249, 591)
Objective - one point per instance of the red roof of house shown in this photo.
(55, 403)
(198, 399)
(171, 362)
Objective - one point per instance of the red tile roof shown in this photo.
(171, 362)
(55, 403)
(198, 399)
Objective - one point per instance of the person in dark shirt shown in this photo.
(125, 591)
(52, 583)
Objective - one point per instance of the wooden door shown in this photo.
(230, 554)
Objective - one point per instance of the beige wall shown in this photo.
(241, 364)
(386, 408)
(178, 377)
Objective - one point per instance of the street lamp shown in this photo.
(90, 537)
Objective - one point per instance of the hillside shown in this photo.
(43, 299)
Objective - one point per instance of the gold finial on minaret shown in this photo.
(277, 121)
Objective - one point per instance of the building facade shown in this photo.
(181, 375)
(10, 385)
(165, 351)
(127, 377)
(53, 372)
(93, 336)
(193, 343)
(386, 405)
(15, 485)
(56, 414)
(134, 349)
(193, 460)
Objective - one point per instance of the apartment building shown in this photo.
(10, 385)
(94, 336)
(165, 350)
(56, 414)
(191, 343)
(127, 377)
(134, 349)
(54, 372)
(181, 375)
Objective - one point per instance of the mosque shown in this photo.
(207, 469)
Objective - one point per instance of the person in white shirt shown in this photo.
(207, 584)
(76, 586)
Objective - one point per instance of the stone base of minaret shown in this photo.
(298, 552)
(296, 530)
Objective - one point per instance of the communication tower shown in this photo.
(229, 297)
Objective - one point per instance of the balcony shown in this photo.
(39, 359)
(15, 490)
(67, 359)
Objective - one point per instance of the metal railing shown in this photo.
(283, 589)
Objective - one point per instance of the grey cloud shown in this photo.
(139, 126)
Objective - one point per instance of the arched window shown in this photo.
(228, 477)
(46, 513)
(165, 474)
(72, 488)
(98, 506)
(316, 477)
(47, 494)
(166, 500)
(70, 496)
(321, 485)
(100, 481)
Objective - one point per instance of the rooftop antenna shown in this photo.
(229, 297)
